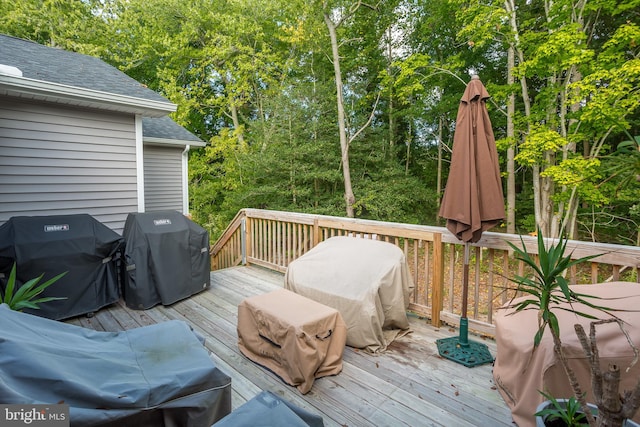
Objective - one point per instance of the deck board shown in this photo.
(409, 384)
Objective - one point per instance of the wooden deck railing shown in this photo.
(273, 239)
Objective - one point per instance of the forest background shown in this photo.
(348, 108)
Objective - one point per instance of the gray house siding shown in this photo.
(56, 160)
(163, 178)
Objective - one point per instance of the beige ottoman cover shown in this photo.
(297, 338)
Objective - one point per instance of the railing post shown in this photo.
(249, 239)
(437, 302)
(243, 240)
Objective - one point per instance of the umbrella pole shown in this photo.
(464, 321)
(460, 349)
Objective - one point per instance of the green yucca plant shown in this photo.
(26, 295)
(547, 288)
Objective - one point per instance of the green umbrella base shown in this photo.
(470, 354)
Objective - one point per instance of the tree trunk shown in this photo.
(408, 154)
(439, 177)
(511, 175)
(571, 376)
(541, 222)
(236, 124)
(391, 112)
(610, 410)
(349, 197)
(292, 167)
(510, 8)
(613, 408)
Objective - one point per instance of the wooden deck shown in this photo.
(409, 384)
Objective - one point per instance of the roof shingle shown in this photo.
(59, 66)
(76, 70)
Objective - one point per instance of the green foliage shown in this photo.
(25, 296)
(539, 141)
(612, 97)
(568, 411)
(627, 166)
(403, 198)
(71, 25)
(581, 173)
(561, 49)
(574, 171)
(482, 20)
(254, 79)
(621, 188)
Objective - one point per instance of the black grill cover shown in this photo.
(166, 259)
(78, 244)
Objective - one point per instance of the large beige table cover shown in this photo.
(367, 281)
(297, 338)
(519, 374)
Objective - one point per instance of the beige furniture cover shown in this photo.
(367, 281)
(519, 374)
(293, 336)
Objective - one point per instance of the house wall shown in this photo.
(56, 160)
(163, 178)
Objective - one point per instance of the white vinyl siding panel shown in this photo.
(162, 178)
(57, 161)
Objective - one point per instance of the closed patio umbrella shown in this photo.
(472, 203)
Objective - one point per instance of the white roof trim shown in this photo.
(175, 142)
(55, 92)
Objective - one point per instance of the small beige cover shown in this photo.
(367, 281)
(297, 338)
(519, 374)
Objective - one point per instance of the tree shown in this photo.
(216, 60)
(334, 17)
(554, 57)
(75, 26)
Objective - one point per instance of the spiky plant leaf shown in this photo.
(10, 285)
(24, 296)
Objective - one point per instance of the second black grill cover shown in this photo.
(166, 259)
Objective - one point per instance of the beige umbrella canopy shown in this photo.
(473, 202)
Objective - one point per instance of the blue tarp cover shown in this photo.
(268, 410)
(158, 375)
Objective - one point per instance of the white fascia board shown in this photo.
(173, 142)
(55, 92)
(185, 180)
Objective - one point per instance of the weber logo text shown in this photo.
(34, 415)
(57, 227)
(161, 222)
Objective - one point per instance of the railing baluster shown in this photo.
(506, 273)
(490, 287)
(452, 275)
